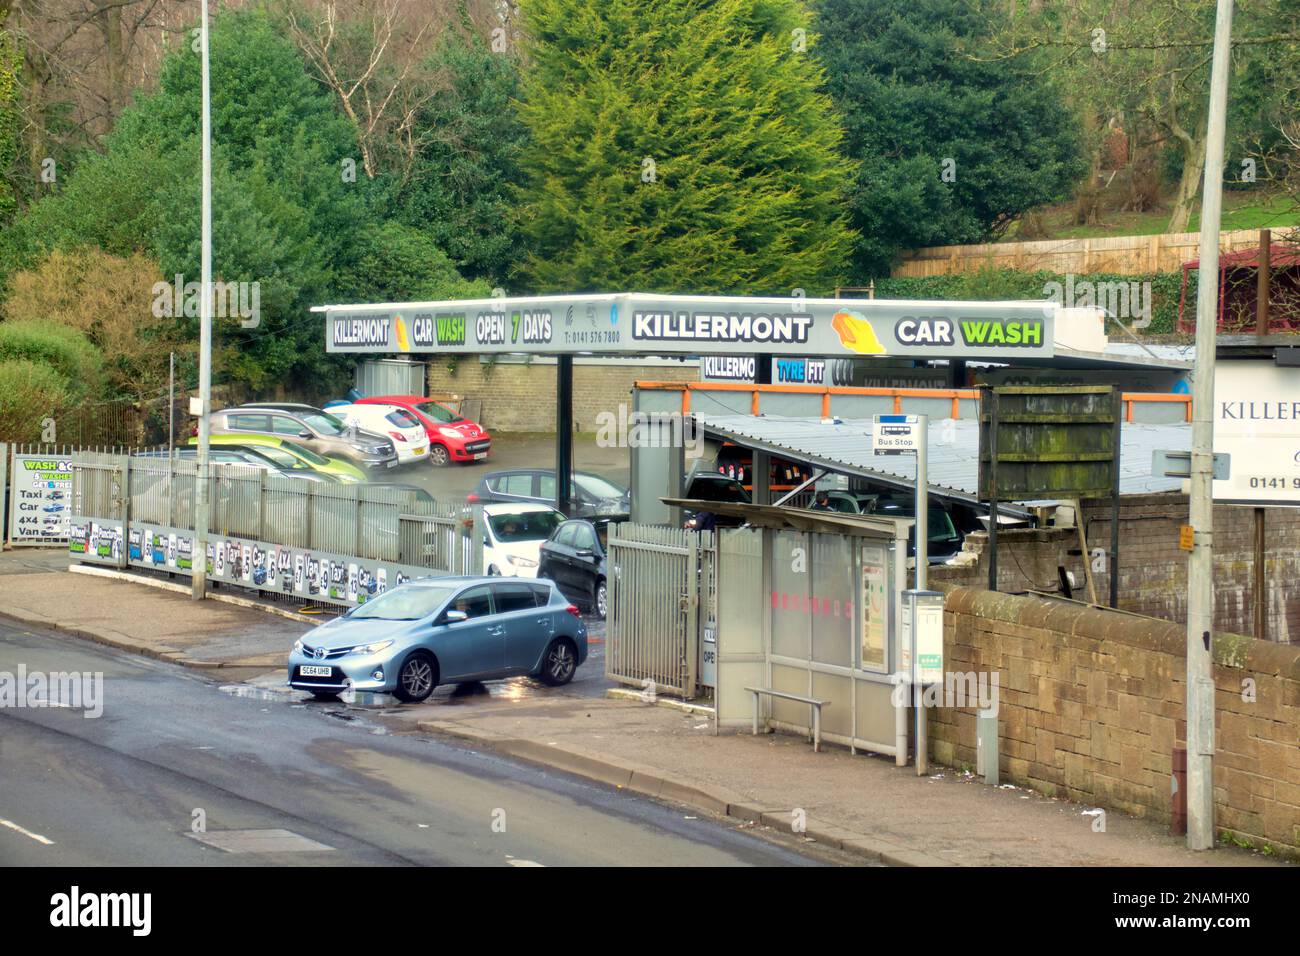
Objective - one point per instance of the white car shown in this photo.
(410, 439)
(513, 536)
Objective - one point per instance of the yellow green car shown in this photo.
(274, 447)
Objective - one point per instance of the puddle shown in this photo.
(249, 692)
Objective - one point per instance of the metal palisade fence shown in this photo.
(332, 542)
(662, 597)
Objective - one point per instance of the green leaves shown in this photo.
(915, 88)
(679, 146)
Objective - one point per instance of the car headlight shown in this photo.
(370, 648)
(521, 562)
(449, 433)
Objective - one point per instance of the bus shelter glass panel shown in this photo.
(831, 606)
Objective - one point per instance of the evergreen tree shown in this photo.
(679, 146)
(953, 143)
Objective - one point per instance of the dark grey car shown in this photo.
(307, 425)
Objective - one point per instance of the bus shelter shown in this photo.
(811, 604)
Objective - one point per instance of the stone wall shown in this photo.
(1091, 705)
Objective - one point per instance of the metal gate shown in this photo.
(662, 589)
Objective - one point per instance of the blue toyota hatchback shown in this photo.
(446, 630)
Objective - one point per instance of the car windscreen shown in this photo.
(305, 453)
(402, 419)
(525, 526)
(438, 413)
(324, 423)
(404, 603)
(598, 487)
(281, 458)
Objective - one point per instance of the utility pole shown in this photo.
(1200, 567)
(199, 569)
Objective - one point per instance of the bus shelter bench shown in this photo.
(813, 703)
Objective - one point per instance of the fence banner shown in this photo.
(40, 499)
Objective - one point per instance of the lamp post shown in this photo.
(199, 566)
(1200, 567)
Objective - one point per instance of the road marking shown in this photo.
(27, 833)
(514, 862)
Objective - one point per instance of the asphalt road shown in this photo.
(171, 749)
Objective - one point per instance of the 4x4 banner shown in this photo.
(39, 499)
(634, 323)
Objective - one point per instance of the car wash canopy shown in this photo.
(636, 323)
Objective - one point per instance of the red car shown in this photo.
(451, 437)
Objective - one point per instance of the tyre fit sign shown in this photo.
(640, 324)
(42, 489)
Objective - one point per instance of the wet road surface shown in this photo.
(178, 772)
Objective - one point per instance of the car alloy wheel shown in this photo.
(415, 681)
(560, 663)
(602, 600)
(439, 456)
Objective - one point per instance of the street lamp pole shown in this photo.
(1200, 567)
(199, 556)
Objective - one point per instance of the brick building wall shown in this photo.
(1091, 705)
(1152, 568)
(521, 396)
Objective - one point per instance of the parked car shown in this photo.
(410, 439)
(574, 558)
(443, 630)
(311, 427)
(703, 485)
(513, 536)
(452, 437)
(280, 450)
(942, 537)
(590, 494)
(247, 456)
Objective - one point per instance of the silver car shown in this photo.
(445, 630)
(307, 425)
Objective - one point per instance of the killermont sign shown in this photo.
(635, 323)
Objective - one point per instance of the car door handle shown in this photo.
(496, 631)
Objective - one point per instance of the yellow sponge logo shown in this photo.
(856, 333)
(399, 327)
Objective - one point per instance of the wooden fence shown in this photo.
(1122, 255)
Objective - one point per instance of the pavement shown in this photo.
(862, 806)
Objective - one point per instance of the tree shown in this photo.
(109, 299)
(397, 262)
(1149, 63)
(30, 392)
(467, 158)
(679, 146)
(952, 147)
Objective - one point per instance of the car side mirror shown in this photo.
(585, 553)
(454, 617)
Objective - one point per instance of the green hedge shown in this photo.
(59, 347)
(994, 284)
(29, 393)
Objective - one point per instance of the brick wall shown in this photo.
(521, 397)
(1091, 705)
(1153, 569)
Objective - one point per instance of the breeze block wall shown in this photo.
(1152, 567)
(1091, 705)
(521, 396)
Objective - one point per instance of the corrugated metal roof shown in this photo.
(845, 447)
